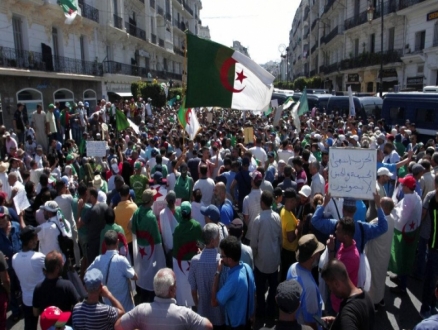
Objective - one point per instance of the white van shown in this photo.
(430, 89)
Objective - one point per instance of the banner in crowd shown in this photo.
(219, 76)
(96, 148)
(352, 172)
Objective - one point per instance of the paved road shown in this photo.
(400, 312)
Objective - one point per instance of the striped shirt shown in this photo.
(94, 316)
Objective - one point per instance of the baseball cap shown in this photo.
(154, 153)
(64, 179)
(417, 169)
(70, 157)
(53, 317)
(212, 212)
(171, 196)
(28, 232)
(288, 296)
(257, 176)
(50, 206)
(409, 182)
(93, 279)
(278, 192)
(308, 246)
(158, 177)
(349, 202)
(383, 171)
(51, 106)
(305, 191)
(137, 165)
(186, 208)
(148, 195)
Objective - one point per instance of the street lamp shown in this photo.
(370, 16)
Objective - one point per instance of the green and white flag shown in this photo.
(188, 120)
(304, 105)
(70, 9)
(219, 76)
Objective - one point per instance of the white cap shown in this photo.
(305, 191)
(383, 171)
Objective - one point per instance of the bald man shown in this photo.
(225, 205)
(378, 251)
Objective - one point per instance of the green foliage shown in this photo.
(154, 91)
(300, 83)
(173, 92)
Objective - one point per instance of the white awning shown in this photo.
(123, 94)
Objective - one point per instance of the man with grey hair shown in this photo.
(318, 183)
(201, 275)
(163, 313)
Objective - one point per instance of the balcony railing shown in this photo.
(161, 42)
(135, 31)
(179, 25)
(333, 33)
(368, 59)
(313, 24)
(120, 68)
(118, 22)
(160, 10)
(89, 12)
(187, 7)
(153, 38)
(407, 3)
(168, 17)
(388, 8)
(152, 3)
(23, 59)
(328, 5)
(178, 51)
(355, 21)
(306, 13)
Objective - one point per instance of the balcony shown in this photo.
(306, 33)
(178, 51)
(328, 5)
(152, 3)
(312, 50)
(388, 8)
(118, 22)
(153, 38)
(369, 59)
(333, 33)
(179, 25)
(327, 69)
(160, 10)
(135, 31)
(306, 13)
(23, 59)
(355, 21)
(161, 42)
(89, 12)
(313, 24)
(187, 8)
(168, 17)
(120, 68)
(407, 3)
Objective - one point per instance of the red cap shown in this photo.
(53, 316)
(408, 181)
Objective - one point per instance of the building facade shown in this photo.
(237, 46)
(340, 40)
(108, 46)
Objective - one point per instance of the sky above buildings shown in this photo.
(261, 26)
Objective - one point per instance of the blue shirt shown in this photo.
(226, 212)
(310, 299)
(361, 211)
(117, 198)
(370, 231)
(431, 323)
(12, 244)
(230, 177)
(233, 296)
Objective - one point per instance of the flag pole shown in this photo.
(184, 80)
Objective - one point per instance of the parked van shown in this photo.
(430, 89)
(419, 108)
(341, 105)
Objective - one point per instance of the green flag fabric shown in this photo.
(70, 9)
(188, 120)
(121, 121)
(219, 76)
(304, 105)
(268, 112)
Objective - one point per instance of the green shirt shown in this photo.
(183, 187)
(164, 170)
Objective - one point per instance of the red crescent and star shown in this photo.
(405, 237)
(188, 116)
(228, 63)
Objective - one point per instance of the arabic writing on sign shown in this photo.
(352, 172)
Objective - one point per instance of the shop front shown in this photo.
(353, 80)
(415, 83)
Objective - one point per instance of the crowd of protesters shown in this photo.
(216, 233)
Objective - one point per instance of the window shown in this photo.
(356, 8)
(82, 47)
(372, 43)
(420, 69)
(30, 98)
(435, 35)
(391, 37)
(397, 113)
(152, 25)
(116, 9)
(146, 63)
(91, 98)
(165, 64)
(62, 96)
(55, 41)
(109, 53)
(420, 39)
(167, 7)
(356, 47)
(18, 33)
(425, 115)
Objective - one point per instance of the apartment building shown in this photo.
(341, 41)
(108, 46)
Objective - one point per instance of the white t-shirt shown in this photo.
(65, 204)
(251, 207)
(206, 186)
(260, 154)
(48, 237)
(29, 269)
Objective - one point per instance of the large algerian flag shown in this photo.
(148, 252)
(289, 101)
(188, 120)
(70, 9)
(304, 105)
(296, 117)
(219, 76)
(121, 120)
